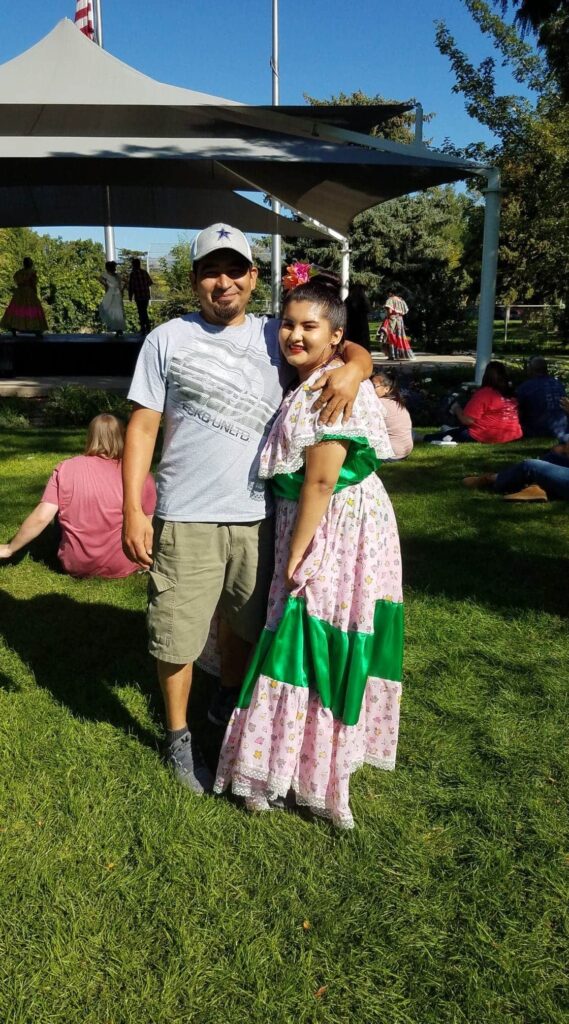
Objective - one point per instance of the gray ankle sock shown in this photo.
(175, 734)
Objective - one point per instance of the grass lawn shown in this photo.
(125, 900)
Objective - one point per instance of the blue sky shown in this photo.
(326, 47)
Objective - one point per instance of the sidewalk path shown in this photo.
(39, 387)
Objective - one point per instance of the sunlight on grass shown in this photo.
(125, 899)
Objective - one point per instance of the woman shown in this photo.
(321, 694)
(490, 416)
(25, 312)
(391, 333)
(397, 418)
(111, 309)
(86, 494)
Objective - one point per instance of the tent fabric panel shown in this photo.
(72, 70)
(140, 207)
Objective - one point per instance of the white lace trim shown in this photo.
(279, 786)
(294, 459)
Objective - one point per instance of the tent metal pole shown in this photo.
(275, 205)
(490, 242)
(345, 269)
(110, 248)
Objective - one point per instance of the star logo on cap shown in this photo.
(223, 233)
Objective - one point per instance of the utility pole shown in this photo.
(110, 249)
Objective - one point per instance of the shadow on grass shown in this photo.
(80, 652)
(486, 571)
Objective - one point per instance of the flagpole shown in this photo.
(98, 24)
(110, 249)
(275, 205)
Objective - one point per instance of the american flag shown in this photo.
(84, 18)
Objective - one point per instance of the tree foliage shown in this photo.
(531, 150)
(67, 273)
(549, 20)
(412, 246)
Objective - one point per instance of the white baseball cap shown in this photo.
(220, 236)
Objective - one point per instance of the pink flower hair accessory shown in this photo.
(296, 274)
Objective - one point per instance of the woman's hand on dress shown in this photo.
(138, 537)
(294, 560)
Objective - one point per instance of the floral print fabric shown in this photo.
(286, 739)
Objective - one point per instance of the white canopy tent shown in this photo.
(86, 139)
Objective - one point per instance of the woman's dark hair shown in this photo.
(393, 385)
(111, 266)
(28, 262)
(496, 377)
(324, 295)
(357, 297)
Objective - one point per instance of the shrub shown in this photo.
(15, 412)
(75, 405)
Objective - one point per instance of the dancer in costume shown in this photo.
(25, 312)
(391, 333)
(111, 309)
(321, 696)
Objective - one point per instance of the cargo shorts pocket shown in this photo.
(160, 613)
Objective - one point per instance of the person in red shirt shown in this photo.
(490, 416)
(86, 494)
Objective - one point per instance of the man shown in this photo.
(539, 398)
(218, 378)
(541, 479)
(139, 283)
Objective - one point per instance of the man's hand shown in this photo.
(5, 551)
(137, 537)
(338, 388)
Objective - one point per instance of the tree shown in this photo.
(532, 152)
(67, 276)
(549, 20)
(412, 246)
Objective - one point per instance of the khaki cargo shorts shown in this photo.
(199, 567)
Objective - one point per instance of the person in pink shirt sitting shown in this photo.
(490, 416)
(397, 418)
(86, 494)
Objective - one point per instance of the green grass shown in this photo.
(124, 899)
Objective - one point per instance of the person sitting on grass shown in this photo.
(490, 416)
(539, 398)
(397, 418)
(542, 479)
(86, 494)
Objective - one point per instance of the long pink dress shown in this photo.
(322, 694)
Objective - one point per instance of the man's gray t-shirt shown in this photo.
(219, 389)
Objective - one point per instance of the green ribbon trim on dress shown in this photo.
(308, 652)
(360, 462)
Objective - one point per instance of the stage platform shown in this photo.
(65, 355)
(32, 367)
